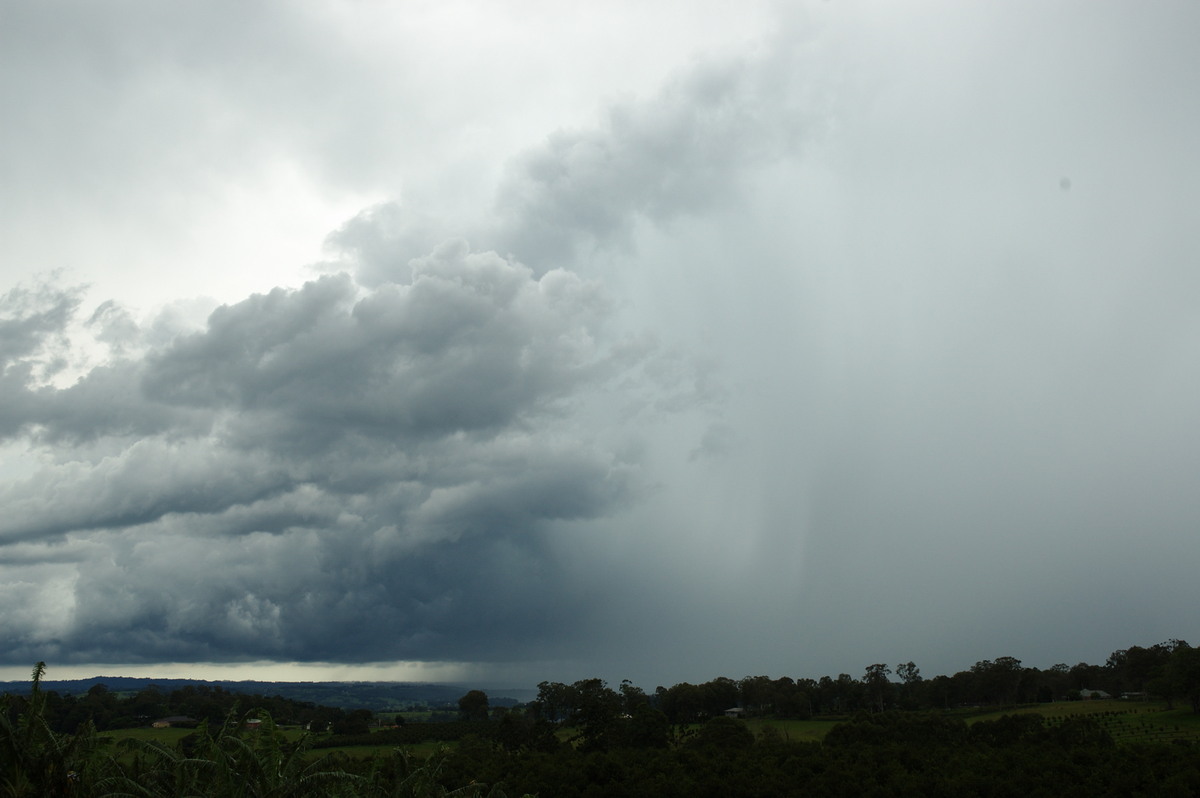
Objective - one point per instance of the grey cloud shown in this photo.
(35, 347)
(144, 482)
(32, 336)
(318, 465)
(314, 594)
(680, 151)
(470, 344)
(381, 241)
(31, 315)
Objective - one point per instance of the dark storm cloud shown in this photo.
(330, 472)
(373, 467)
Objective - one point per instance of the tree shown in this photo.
(1053, 684)
(1086, 677)
(758, 694)
(681, 703)
(720, 694)
(1183, 671)
(597, 709)
(723, 733)
(791, 700)
(998, 682)
(843, 694)
(356, 721)
(879, 689)
(633, 697)
(911, 681)
(518, 731)
(941, 691)
(473, 706)
(647, 728)
(908, 672)
(555, 701)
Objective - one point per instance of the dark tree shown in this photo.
(1183, 672)
(879, 689)
(597, 710)
(633, 697)
(997, 682)
(555, 701)
(473, 706)
(357, 721)
(723, 733)
(911, 685)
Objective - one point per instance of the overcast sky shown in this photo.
(531, 340)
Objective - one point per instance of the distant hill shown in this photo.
(375, 696)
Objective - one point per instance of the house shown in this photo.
(735, 712)
(1089, 695)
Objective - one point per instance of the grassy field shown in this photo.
(1141, 721)
(1126, 721)
(168, 737)
(794, 730)
(420, 750)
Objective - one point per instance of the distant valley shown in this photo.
(375, 696)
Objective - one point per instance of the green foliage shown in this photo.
(35, 760)
(723, 734)
(235, 761)
(473, 706)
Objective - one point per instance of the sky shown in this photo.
(537, 341)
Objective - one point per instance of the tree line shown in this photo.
(1169, 671)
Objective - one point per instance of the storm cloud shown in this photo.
(330, 462)
(817, 336)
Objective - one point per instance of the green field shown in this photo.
(1142, 721)
(1127, 722)
(793, 730)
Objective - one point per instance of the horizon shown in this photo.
(288, 672)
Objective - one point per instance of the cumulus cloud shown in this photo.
(680, 151)
(319, 466)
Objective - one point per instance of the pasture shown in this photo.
(1126, 721)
